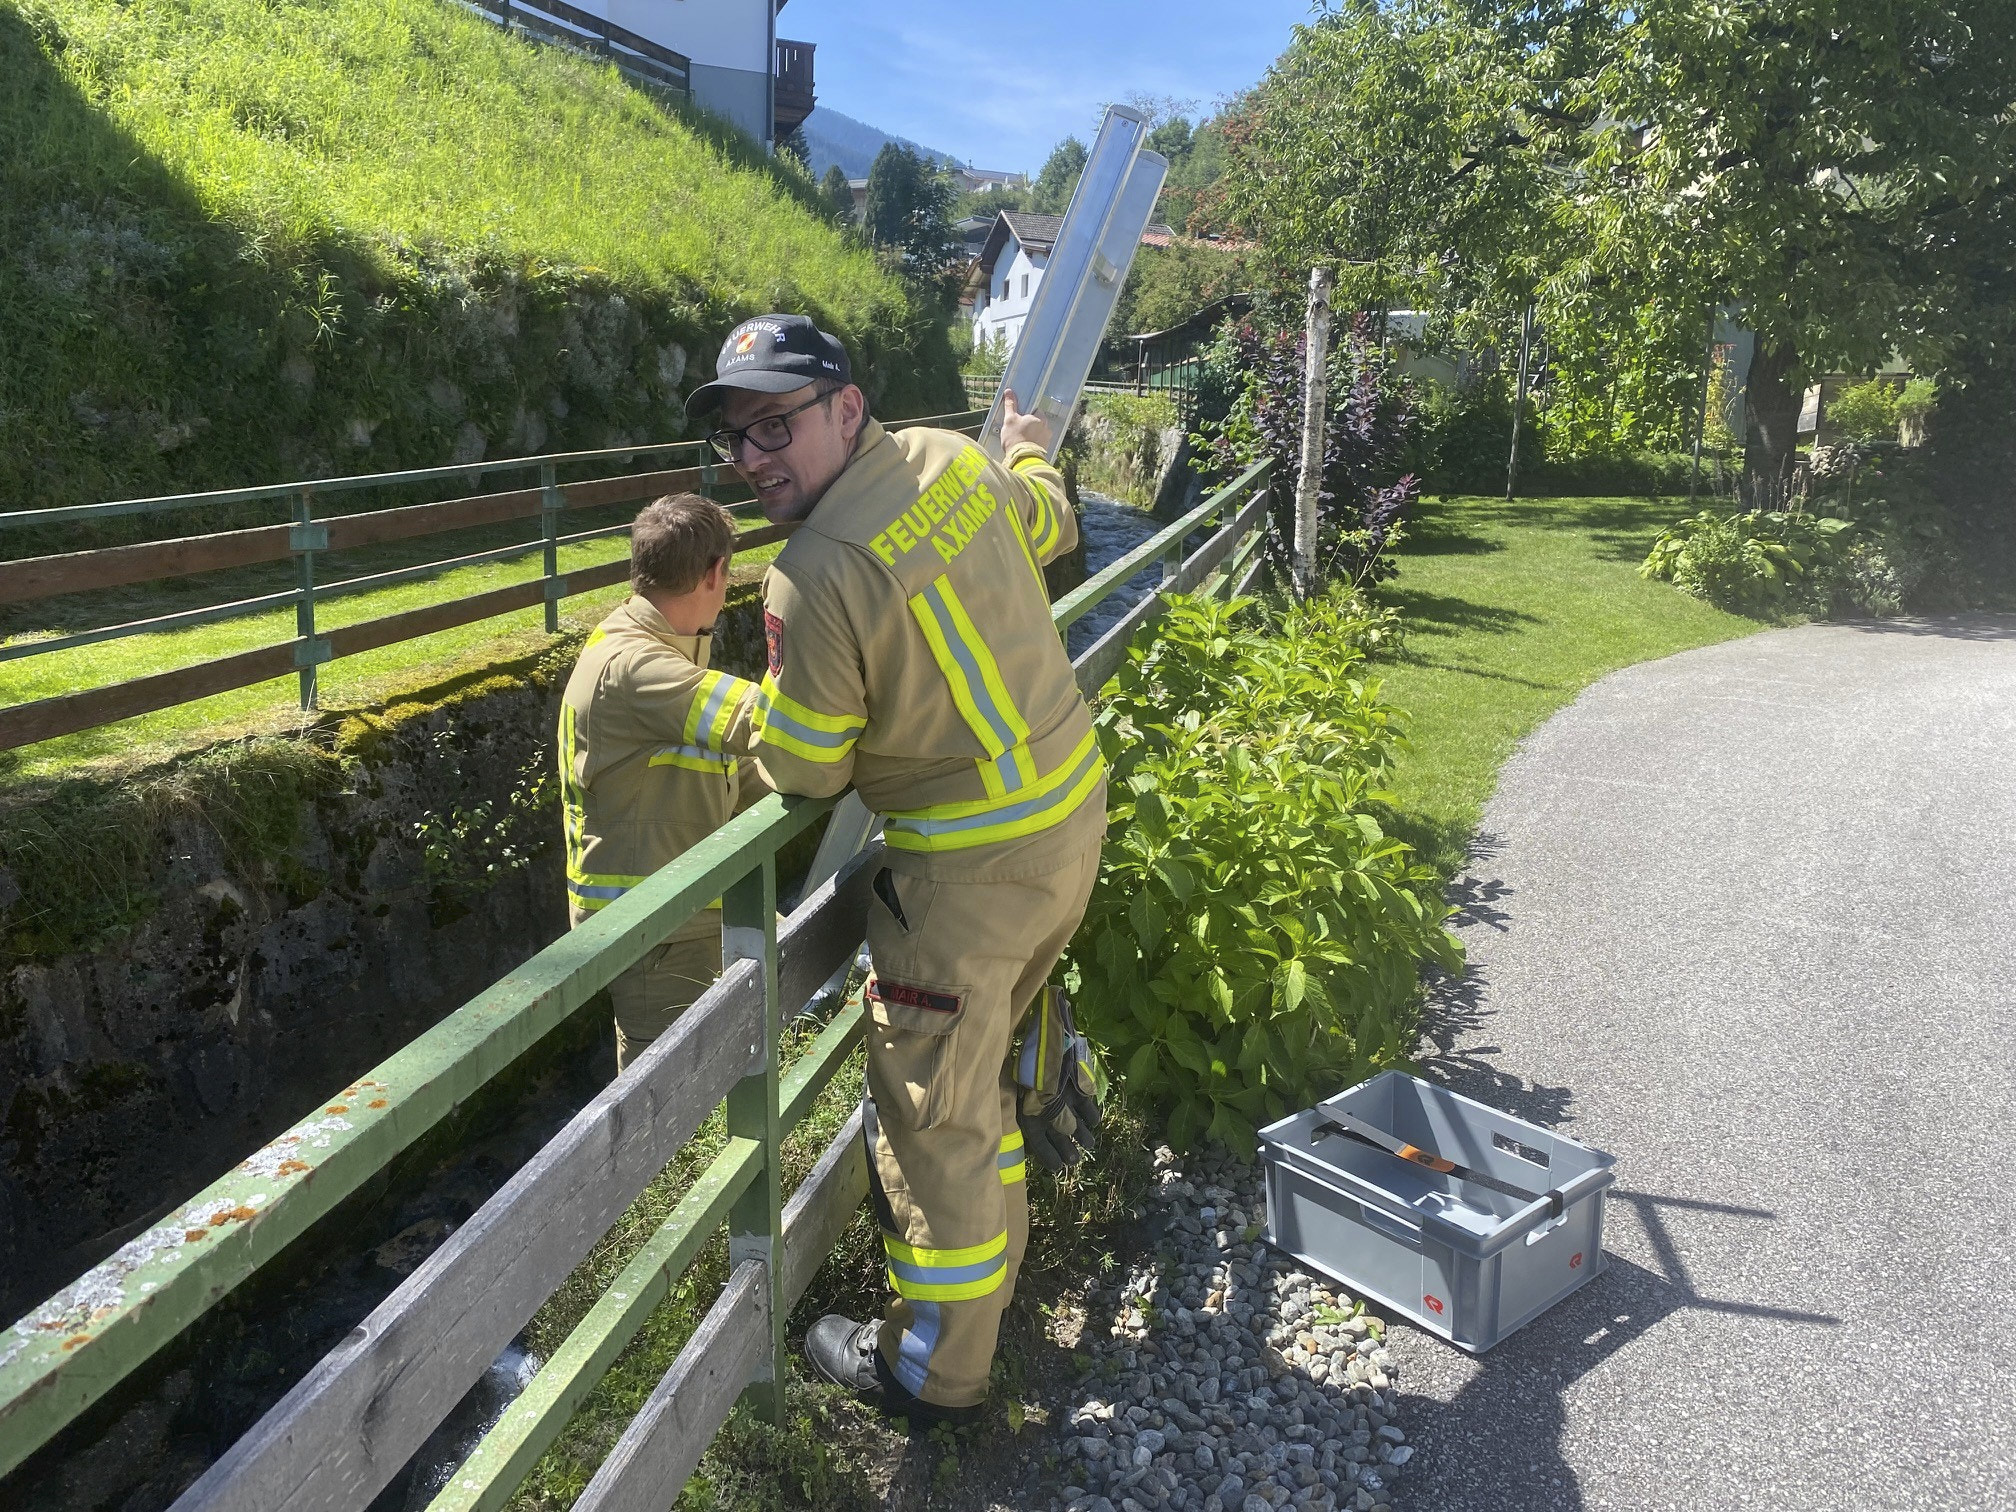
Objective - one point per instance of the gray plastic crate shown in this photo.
(1465, 1262)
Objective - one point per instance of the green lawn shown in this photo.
(1510, 610)
(349, 682)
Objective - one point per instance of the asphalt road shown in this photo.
(1746, 918)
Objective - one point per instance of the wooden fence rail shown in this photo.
(348, 1427)
(307, 539)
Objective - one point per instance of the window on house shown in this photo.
(1025, 285)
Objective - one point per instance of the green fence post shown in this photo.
(756, 1222)
(307, 538)
(549, 527)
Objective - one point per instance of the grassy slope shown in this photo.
(270, 240)
(1510, 611)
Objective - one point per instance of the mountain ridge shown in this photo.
(834, 137)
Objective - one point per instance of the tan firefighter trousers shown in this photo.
(654, 992)
(954, 976)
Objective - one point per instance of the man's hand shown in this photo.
(1018, 429)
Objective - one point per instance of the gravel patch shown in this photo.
(1230, 1379)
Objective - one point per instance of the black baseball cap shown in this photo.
(772, 354)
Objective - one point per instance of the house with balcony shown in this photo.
(738, 67)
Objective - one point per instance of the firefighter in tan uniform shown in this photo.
(912, 653)
(651, 752)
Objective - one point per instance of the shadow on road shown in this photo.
(1972, 627)
(1496, 1444)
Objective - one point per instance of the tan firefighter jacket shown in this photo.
(911, 651)
(649, 748)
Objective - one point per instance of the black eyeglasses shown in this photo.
(770, 434)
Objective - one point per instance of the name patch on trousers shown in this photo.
(902, 995)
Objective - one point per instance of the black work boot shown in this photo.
(843, 1352)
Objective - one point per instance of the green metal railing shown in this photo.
(350, 1425)
(308, 539)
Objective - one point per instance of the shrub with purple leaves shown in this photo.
(1365, 497)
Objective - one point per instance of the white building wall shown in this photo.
(715, 33)
(728, 42)
(1004, 304)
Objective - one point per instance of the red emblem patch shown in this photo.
(1574, 1260)
(773, 638)
(1434, 1303)
(901, 995)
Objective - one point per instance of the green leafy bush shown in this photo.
(1865, 413)
(1255, 938)
(1763, 562)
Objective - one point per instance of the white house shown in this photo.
(1009, 270)
(741, 69)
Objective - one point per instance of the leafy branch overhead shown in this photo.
(1838, 175)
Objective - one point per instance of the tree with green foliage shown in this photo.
(1838, 174)
(909, 210)
(838, 194)
(1173, 139)
(1189, 199)
(1167, 285)
(1382, 143)
(989, 202)
(1052, 190)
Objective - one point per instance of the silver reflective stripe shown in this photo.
(976, 681)
(1007, 813)
(716, 696)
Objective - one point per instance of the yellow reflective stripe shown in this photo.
(990, 670)
(696, 709)
(946, 1275)
(961, 669)
(917, 1254)
(949, 1291)
(573, 811)
(1048, 526)
(986, 821)
(1021, 536)
(788, 725)
(712, 711)
(734, 691)
(1011, 1162)
(830, 724)
(973, 677)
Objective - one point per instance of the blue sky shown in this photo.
(998, 85)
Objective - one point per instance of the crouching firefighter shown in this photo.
(911, 652)
(651, 743)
